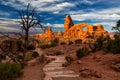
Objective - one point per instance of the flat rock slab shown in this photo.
(67, 78)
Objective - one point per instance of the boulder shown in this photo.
(86, 73)
(116, 65)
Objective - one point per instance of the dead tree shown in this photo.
(28, 19)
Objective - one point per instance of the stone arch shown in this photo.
(84, 25)
(84, 28)
(88, 27)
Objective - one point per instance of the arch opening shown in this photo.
(84, 28)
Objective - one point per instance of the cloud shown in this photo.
(53, 25)
(93, 11)
(58, 25)
(8, 22)
(89, 2)
(8, 29)
(109, 14)
(53, 6)
(6, 14)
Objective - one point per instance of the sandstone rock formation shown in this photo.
(59, 34)
(11, 45)
(75, 31)
(82, 30)
(48, 35)
(68, 22)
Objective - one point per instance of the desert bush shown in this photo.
(58, 53)
(68, 58)
(2, 57)
(52, 43)
(112, 45)
(70, 42)
(32, 56)
(81, 52)
(44, 46)
(29, 57)
(9, 71)
(35, 54)
(62, 43)
(78, 41)
(98, 43)
(31, 47)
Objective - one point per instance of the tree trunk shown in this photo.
(25, 47)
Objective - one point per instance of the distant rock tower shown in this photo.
(68, 23)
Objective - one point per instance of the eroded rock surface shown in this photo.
(82, 30)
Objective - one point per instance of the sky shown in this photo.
(52, 13)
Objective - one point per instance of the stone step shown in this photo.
(67, 78)
(54, 65)
(63, 75)
(57, 61)
(59, 72)
(51, 68)
(48, 78)
(57, 57)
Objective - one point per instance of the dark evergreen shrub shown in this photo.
(9, 71)
(69, 59)
(29, 57)
(78, 41)
(35, 54)
(98, 43)
(58, 53)
(31, 47)
(70, 42)
(2, 57)
(62, 43)
(112, 45)
(52, 43)
(81, 52)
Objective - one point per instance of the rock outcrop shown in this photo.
(11, 45)
(68, 23)
(47, 35)
(82, 30)
(72, 31)
(59, 34)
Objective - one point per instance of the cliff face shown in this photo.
(82, 30)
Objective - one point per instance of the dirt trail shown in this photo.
(54, 70)
(33, 72)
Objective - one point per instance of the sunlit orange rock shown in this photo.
(82, 30)
(68, 22)
(47, 35)
(59, 34)
(72, 31)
